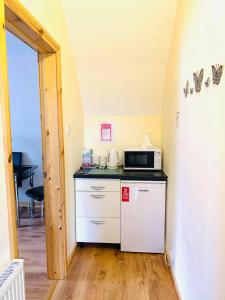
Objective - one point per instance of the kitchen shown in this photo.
(121, 106)
(136, 72)
(131, 68)
(122, 204)
(120, 208)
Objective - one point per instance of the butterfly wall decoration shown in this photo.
(207, 82)
(217, 71)
(186, 89)
(198, 77)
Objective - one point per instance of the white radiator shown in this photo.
(12, 281)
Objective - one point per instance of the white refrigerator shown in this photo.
(143, 216)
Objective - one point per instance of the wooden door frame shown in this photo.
(16, 19)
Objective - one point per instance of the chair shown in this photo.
(36, 194)
(17, 158)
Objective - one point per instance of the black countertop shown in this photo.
(120, 173)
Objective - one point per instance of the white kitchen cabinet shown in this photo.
(98, 210)
(143, 216)
(98, 185)
(98, 204)
(98, 230)
(137, 222)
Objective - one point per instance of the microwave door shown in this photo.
(139, 160)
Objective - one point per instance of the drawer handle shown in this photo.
(97, 188)
(143, 190)
(97, 222)
(98, 196)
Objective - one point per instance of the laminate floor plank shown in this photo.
(105, 273)
(32, 248)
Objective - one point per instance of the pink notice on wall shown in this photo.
(106, 132)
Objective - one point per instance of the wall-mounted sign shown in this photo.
(106, 132)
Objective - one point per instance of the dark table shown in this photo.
(21, 173)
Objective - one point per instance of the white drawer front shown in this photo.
(98, 185)
(98, 204)
(98, 230)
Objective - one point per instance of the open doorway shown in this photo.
(27, 162)
(16, 19)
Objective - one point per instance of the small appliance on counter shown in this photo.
(146, 158)
(87, 158)
(113, 160)
(142, 159)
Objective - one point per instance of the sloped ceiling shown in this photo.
(121, 50)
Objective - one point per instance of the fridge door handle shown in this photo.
(143, 190)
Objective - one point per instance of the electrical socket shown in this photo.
(68, 130)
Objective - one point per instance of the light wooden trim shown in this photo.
(59, 283)
(6, 127)
(51, 290)
(22, 24)
(71, 256)
(53, 165)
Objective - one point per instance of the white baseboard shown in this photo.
(173, 276)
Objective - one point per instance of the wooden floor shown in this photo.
(32, 249)
(107, 274)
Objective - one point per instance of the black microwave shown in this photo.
(142, 159)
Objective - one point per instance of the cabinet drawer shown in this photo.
(98, 204)
(98, 185)
(98, 230)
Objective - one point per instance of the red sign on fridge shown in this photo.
(125, 194)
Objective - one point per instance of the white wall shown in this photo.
(194, 152)
(128, 132)
(25, 107)
(121, 49)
